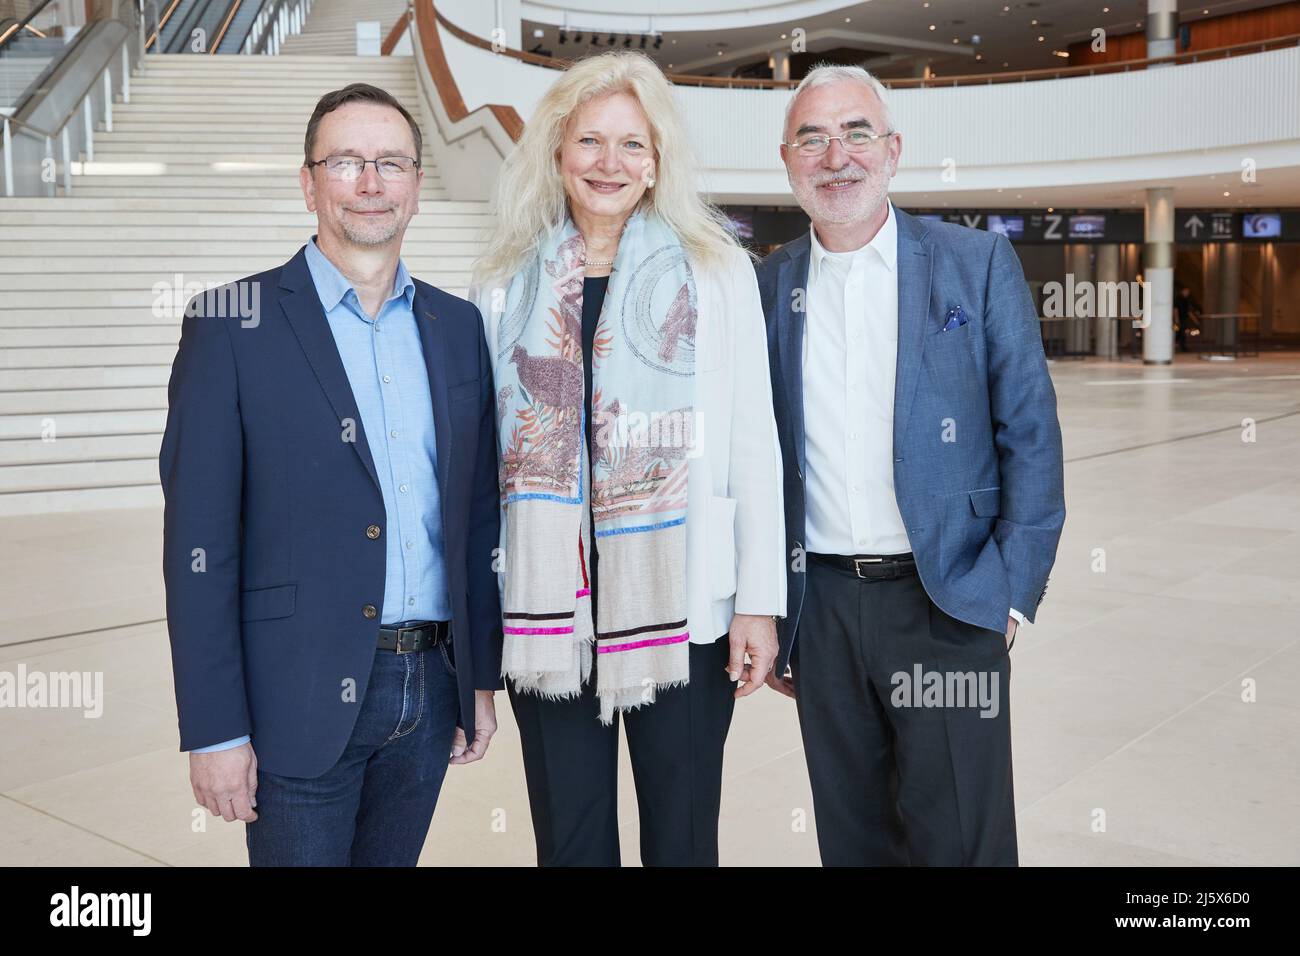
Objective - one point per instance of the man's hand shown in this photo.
(755, 635)
(1012, 623)
(485, 725)
(226, 782)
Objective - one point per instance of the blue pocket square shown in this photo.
(956, 319)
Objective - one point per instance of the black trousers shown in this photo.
(906, 767)
(571, 765)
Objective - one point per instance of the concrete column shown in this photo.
(1078, 263)
(1162, 28)
(1229, 283)
(1105, 330)
(1158, 272)
(780, 61)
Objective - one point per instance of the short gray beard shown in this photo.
(807, 197)
(360, 238)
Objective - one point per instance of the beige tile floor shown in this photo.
(1127, 694)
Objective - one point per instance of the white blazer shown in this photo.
(735, 519)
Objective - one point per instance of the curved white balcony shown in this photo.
(1095, 140)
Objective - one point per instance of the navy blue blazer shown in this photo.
(983, 513)
(264, 493)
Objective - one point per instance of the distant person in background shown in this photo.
(1189, 310)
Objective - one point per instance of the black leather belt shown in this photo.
(870, 567)
(405, 637)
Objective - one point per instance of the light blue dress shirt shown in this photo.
(385, 366)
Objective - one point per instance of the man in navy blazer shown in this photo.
(329, 469)
(923, 493)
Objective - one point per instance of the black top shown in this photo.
(593, 297)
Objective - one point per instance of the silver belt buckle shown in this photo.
(858, 562)
(400, 632)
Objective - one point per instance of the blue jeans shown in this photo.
(374, 806)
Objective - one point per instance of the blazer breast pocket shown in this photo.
(961, 332)
(264, 604)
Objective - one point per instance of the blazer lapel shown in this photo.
(431, 341)
(302, 307)
(915, 265)
(792, 276)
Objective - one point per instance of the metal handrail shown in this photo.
(13, 31)
(159, 23)
(274, 23)
(84, 106)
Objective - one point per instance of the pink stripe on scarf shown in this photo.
(583, 592)
(651, 642)
(539, 630)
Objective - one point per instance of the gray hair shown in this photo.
(823, 74)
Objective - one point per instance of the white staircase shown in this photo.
(331, 27)
(198, 180)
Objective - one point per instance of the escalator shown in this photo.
(240, 23)
(225, 25)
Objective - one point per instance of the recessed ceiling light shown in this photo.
(931, 26)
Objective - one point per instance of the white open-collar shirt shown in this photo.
(850, 356)
(850, 352)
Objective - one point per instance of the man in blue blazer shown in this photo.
(329, 469)
(923, 493)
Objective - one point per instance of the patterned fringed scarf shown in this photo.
(642, 405)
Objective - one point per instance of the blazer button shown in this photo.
(369, 611)
(372, 532)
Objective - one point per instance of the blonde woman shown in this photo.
(640, 470)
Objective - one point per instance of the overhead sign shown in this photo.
(1101, 225)
(1205, 225)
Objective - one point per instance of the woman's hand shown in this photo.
(755, 635)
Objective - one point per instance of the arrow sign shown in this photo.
(1205, 225)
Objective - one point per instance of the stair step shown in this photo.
(197, 248)
(93, 336)
(81, 499)
(78, 400)
(85, 357)
(48, 379)
(80, 474)
(419, 232)
(23, 452)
